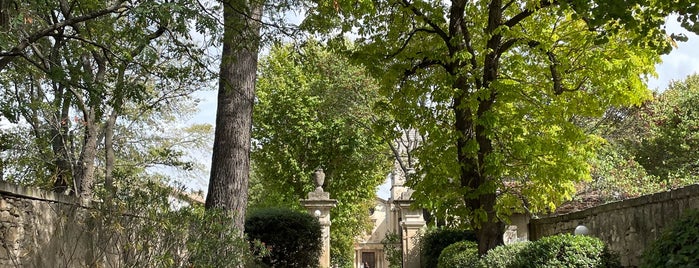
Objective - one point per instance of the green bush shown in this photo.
(677, 246)
(434, 241)
(293, 238)
(463, 254)
(566, 251)
(393, 250)
(504, 256)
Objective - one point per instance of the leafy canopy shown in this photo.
(314, 109)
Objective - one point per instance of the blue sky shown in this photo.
(681, 62)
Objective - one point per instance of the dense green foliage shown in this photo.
(435, 240)
(462, 254)
(96, 91)
(647, 148)
(566, 251)
(553, 251)
(314, 109)
(504, 256)
(667, 148)
(293, 238)
(677, 246)
(496, 86)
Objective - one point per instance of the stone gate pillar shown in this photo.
(319, 204)
(412, 224)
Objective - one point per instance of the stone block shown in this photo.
(5, 216)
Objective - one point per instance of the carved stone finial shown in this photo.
(319, 178)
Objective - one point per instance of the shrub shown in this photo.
(504, 256)
(677, 246)
(138, 226)
(293, 238)
(463, 254)
(393, 250)
(566, 251)
(434, 241)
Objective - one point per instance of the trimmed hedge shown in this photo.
(677, 246)
(504, 256)
(566, 251)
(434, 241)
(293, 238)
(463, 254)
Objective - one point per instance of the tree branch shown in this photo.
(423, 64)
(526, 13)
(19, 48)
(555, 76)
(407, 40)
(427, 20)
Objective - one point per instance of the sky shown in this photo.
(681, 62)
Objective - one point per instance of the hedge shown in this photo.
(293, 238)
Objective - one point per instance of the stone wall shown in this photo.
(44, 229)
(37, 230)
(627, 226)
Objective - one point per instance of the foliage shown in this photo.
(504, 256)
(435, 240)
(671, 121)
(314, 109)
(496, 85)
(140, 226)
(293, 238)
(463, 254)
(84, 80)
(566, 251)
(617, 176)
(678, 244)
(393, 250)
(643, 153)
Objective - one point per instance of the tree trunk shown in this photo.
(109, 154)
(59, 140)
(85, 172)
(230, 164)
(481, 196)
(490, 234)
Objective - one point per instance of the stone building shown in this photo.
(394, 216)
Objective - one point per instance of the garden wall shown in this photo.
(38, 229)
(44, 229)
(627, 226)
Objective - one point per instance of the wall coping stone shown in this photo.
(680, 193)
(9, 189)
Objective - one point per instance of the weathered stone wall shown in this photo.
(628, 226)
(44, 229)
(37, 229)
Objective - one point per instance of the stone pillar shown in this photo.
(412, 224)
(319, 204)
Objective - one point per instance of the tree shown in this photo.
(230, 164)
(495, 87)
(77, 74)
(315, 109)
(244, 31)
(669, 148)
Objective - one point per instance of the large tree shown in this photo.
(245, 29)
(230, 164)
(495, 87)
(77, 73)
(314, 109)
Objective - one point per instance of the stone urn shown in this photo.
(319, 177)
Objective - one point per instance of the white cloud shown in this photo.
(681, 62)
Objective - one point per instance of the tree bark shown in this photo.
(230, 164)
